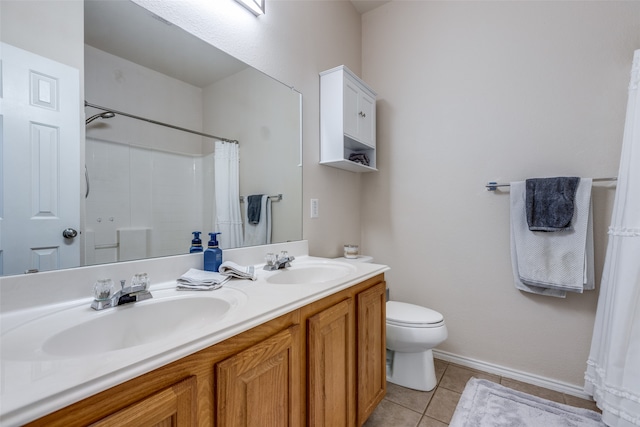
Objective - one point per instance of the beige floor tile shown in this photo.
(581, 403)
(456, 377)
(544, 393)
(430, 422)
(440, 366)
(389, 414)
(443, 404)
(412, 399)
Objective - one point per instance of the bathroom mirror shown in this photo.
(144, 187)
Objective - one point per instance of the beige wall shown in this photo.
(471, 92)
(126, 86)
(54, 29)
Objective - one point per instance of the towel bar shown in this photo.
(274, 198)
(493, 186)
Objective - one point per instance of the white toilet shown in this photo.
(412, 332)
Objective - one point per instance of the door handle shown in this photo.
(69, 233)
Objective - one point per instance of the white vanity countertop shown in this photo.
(37, 384)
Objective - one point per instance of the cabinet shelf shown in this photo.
(347, 120)
(349, 165)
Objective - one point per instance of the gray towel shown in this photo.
(550, 203)
(254, 205)
(361, 158)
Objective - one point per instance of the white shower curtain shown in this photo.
(613, 368)
(228, 219)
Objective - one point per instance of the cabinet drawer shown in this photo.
(173, 406)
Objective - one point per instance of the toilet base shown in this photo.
(413, 370)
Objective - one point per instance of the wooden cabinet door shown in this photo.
(331, 366)
(172, 407)
(371, 350)
(261, 385)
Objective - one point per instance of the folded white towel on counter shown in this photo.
(231, 269)
(553, 263)
(199, 280)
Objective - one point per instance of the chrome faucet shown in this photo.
(278, 262)
(105, 298)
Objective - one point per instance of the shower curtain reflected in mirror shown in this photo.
(613, 367)
(228, 219)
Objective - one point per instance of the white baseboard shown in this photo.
(502, 371)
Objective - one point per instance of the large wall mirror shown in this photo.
(156, 134)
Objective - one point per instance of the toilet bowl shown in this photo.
(412, 332)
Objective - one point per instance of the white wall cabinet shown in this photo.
(347, 120)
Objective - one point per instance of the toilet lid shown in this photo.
(402, 313)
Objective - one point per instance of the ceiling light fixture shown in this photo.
(255, 6)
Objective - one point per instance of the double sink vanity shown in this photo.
(304, 345)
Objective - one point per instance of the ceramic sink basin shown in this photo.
(82, 331)
(311, 273)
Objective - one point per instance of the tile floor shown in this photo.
(403, 407)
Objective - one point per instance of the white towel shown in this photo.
(550, 263)
(260, 233)
(231, 269)
(199, 280)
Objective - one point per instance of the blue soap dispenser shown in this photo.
(213, 254)
(196, 243)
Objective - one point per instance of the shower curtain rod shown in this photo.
(87, 104)
(492, 186)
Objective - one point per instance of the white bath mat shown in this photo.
(487, 404)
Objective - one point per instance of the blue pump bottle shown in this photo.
(196, 243)
(213, 254)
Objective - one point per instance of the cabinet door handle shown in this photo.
(363, 115)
